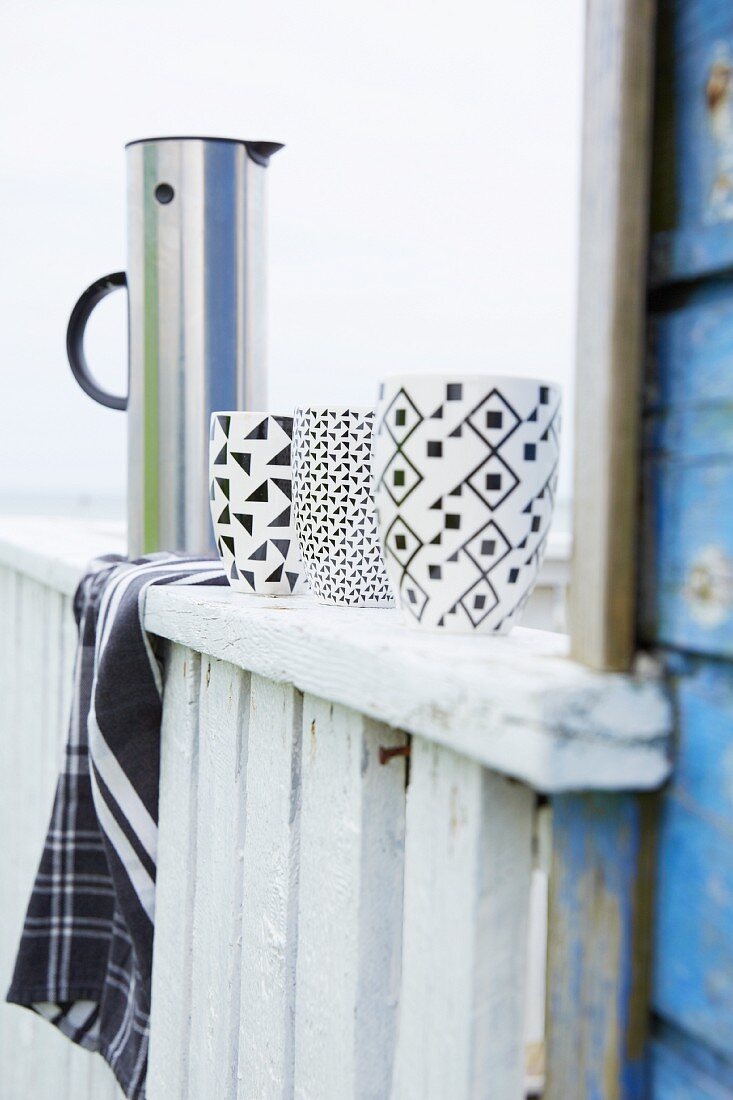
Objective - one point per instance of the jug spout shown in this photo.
(261, 151)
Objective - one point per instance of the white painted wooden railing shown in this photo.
(39, 571)
(333, 919)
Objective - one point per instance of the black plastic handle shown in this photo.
(80, 314)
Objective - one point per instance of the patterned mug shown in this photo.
(334, 507)
(251, 502)
(466, 473)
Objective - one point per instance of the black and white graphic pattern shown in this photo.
(85, 956)
(251, 502)
(334, 507)
(466, 475)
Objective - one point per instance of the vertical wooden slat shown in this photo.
(468, 866)
(610, 346)
(30, 781)
(217, 918)
(88, 1077)
(534, 1028)
(59, 1055)
(269, 919)
(38, 647)
(11, 749)
(598, 959)
(171, 995)
(350, 906)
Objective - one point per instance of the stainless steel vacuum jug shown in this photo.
(196, 284)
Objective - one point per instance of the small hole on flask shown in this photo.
(164, 193)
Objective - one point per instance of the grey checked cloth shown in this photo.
(85, 956)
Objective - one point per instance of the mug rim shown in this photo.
(250, 412)
(492, 379)
(339, 409)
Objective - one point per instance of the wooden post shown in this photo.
(179, 744)
(610, 344)
(468, 867)
(599, 947)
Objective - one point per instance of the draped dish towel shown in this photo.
(85, 956)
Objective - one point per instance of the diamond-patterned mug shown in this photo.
(465, 472)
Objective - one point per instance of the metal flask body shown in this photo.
(196, 286)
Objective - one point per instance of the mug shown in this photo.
(334, 509)
(466, 474)
(251, 502)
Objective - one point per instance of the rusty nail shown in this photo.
(385, 755)
(718, 84)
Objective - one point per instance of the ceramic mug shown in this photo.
(334, 509)
(251, 502)
(465, 473)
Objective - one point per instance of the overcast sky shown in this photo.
(422, 217)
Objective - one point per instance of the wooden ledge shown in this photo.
(516, 704)
(54, 550)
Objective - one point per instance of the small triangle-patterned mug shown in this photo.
(251, 502)
(334, 509)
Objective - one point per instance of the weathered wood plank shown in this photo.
(692, 192)
(11, 746)
(688, 600)
(270, 874)
(33, 783)
(534, 1028)
(217, 902)
(54, 550)
(693, 981)
(468, 865)
(82, 1065)
(515, 704)
(599, 947)
(38, 649)
(687, 577)
(685, 1070)
(350, 906)
(610, 345)
(687, 589)
(691, 341)
(171, 1009)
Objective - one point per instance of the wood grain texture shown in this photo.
(468, 865)
(217, 903)
(610, 344)
(693, 981)
(683, 1069)
(674, 1078)
(172, 959)
(692, 190)
(55, 551)
(687, 574)
(599, 947)
(270, 893)
(350, 906)
(515, 704)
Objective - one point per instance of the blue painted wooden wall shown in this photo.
(687, 544)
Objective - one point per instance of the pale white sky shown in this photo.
(422, 217)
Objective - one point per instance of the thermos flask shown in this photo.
(196, 297)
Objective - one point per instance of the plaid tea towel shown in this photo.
(85, 956)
